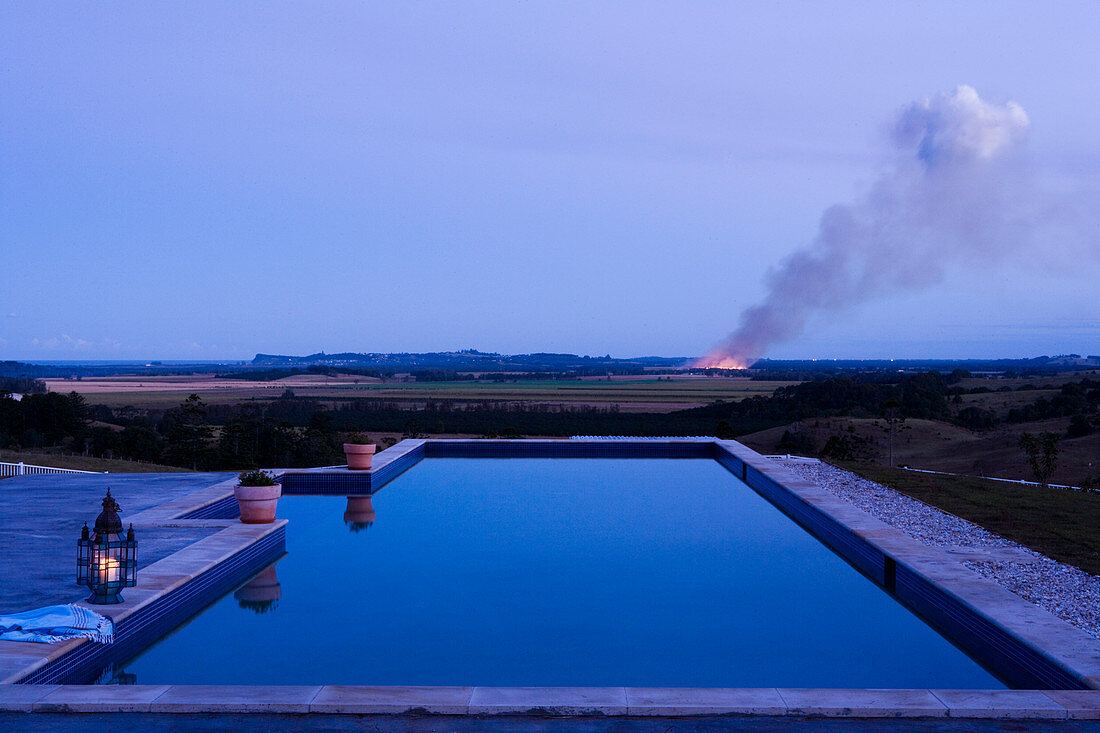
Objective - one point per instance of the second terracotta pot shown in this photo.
(359, 456)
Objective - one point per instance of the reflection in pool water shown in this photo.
(359, 514)
(262, 593)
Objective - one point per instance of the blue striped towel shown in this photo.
(57, 623)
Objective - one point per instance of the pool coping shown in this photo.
(553, 701)
(878, 550)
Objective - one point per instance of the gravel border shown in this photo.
(1066, 591)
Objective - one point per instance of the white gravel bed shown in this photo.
(1068, 592)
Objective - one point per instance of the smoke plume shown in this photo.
(951, 195)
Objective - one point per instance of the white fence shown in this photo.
(789, 457)
(993, 478)
(26, 469)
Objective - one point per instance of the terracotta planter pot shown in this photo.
(359, 456)
(258, 503)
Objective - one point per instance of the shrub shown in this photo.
(1042, 454)
(256, 478)
(1079, 426)
(846, 448)
(798, 442)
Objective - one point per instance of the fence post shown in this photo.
(19, 469)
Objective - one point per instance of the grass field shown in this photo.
(940, 446)
(56, 459)
(645, 394)
(1059, 523)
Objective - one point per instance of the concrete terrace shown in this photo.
(41, 517)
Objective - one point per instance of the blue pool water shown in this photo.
(557, 572)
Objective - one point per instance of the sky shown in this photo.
(213, 180)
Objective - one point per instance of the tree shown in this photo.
(1042, 454)
(894, 423)
(142, 443)
(1079, 426)
(49, 418)
(239, 443)
(975, 418)
(187, 433)
(850, 447)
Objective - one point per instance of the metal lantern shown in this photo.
(105, 562)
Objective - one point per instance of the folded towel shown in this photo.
(57, 623)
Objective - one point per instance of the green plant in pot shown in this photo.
(359, 451)
(257, 494)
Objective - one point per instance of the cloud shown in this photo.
(65, 342)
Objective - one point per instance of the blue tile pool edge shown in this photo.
(872, 555)
(153, 617)
(392, 462)
(387, 465)
(1026, 645)
(1021, 641)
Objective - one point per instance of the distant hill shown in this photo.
(549, 363)
(468, 361)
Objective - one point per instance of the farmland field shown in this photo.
(628, 394)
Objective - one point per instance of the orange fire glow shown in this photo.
(720, 361)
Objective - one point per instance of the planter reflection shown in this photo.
(262, 593)
(359, 514)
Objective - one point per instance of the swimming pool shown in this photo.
(546, 572)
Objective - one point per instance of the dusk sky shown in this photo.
(212, 180)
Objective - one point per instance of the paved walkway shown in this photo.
(41, 517)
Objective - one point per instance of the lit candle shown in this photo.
(107, 570)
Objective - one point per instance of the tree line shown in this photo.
(185, 436)
(298, 432)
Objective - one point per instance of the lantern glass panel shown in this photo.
(106, 562)
(83, 559)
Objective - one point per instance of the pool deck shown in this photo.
(40, 520)
(177, 550)
(178, 556)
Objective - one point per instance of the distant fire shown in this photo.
(719, 361)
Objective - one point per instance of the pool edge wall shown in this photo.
(225, 559)
(1025, 645)
(1035, 641)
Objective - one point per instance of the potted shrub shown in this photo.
(257, 494)
(359, 451)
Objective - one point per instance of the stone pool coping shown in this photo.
(902, 564)
(553, 701)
